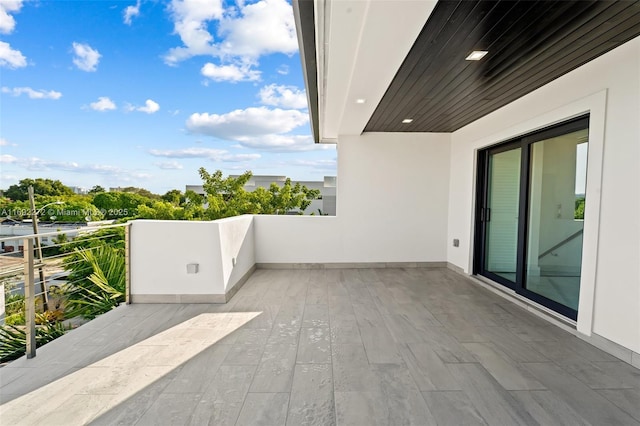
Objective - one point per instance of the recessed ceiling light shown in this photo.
(476, 55)
(360, 101)
(407, 120)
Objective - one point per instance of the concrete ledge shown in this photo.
(238, 285)
(178, 298)
(352, 265)
(455, 268)
(194, 298)
(612, 348)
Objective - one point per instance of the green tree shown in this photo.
(96, 282)
(140, 191)
(175, 196)
(61, 208)
(13, 339)
(119, 205)
(579, 208)
(76, 208)
(227, 197)
(97, 189)
(45, 187)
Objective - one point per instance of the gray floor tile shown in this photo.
(427, 369)
(590, 405)
(268, 409)
(275, 371)
(130, 412)
(312, 401)
(396, 345)
(222, 401)
(351, 370)
(314, 346)
(315, 316)
(244, 355)
(494, 403)
(196, 375)
(170, 409)
(452, 408)
(547, 409)
(502, 368)
(627, 400)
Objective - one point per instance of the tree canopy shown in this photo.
(226, 197)
(46, 187)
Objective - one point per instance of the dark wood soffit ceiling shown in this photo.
(530, 43)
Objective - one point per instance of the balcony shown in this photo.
(302, 342)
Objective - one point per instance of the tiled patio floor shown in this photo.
(347, 347)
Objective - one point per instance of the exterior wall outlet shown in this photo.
(233, 261)
(456, 242)
(192, 268)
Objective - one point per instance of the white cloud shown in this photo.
(39, 164)
(246, 122)
(4, 142)
(33, 94)
(7, 22)
(245, 32)
(232, 73)
(207, 153)
(259, 128)
(103, 104)
(283, 96)
(190, 18)
(11, 58)
(86, 58)
(6, 158)
(283, 69)
(169, 165)
(131, 12)
(330, 164)
(261, 28)
(149, 107)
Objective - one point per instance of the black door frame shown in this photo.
(482, 185)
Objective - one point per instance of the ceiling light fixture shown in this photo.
(360, 101)
(476, 55)
(407, 120)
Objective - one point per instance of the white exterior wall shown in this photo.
(392, 206)
(161, 250)
(237, 249)
(608, 88)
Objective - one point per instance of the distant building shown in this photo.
(327, 188)
(79, 190)
(11, 228)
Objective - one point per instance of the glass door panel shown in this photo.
(557, 182)
(501, 214)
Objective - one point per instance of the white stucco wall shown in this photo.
(391, 206)
(161, 250)
(237, 253)
(608, 88)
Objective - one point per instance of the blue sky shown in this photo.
(143, 93)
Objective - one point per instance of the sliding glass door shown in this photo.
(501, 214)
(530, 212)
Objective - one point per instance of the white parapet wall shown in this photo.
(190, 262)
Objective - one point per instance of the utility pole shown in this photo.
(34, 221)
